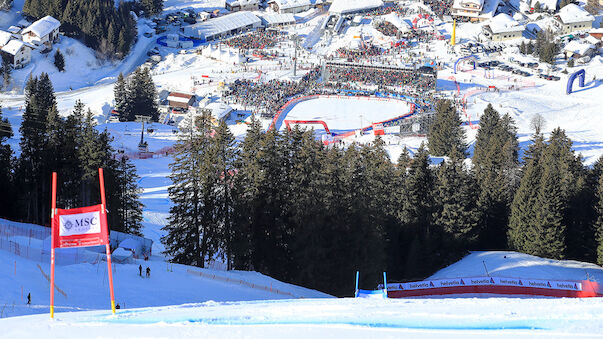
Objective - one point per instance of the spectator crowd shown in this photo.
(259, 39)
(268, 97)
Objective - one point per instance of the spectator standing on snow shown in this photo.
(148, 272)
(28, 298)
(140, 270)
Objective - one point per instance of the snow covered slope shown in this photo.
(519, 265)
(85, 287)
(333, 318)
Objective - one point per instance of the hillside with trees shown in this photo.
(97, 23)
(286, 205)
(73, 148)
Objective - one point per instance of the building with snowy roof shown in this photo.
(14, 30)
(42, 32)
(596, 32)
(242, 5)
(575, 49)
(503, 27)
(290, 6)
(218, 110)
(223, 27)
(467, 8)
(573, 18)
(275, 20)
(474, 10)
(354, 6)
(17, 52)
(182, 100)
(5, 38)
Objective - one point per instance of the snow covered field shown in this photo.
(520, 265)
(85, 286)
(341, 318)
(348, 113)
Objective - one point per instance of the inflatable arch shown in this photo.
(471, 58)
(581, 74)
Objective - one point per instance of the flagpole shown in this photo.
(107, 247)
(52, 228)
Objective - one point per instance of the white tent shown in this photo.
(352, 6)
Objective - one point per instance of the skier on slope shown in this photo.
(140, 270)
(28, 298)
(148, 272)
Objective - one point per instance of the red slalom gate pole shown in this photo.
(53, 225)
(107, 247)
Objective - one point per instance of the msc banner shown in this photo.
(80, 227)
(487, 281)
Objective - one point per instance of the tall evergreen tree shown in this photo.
(59, 60)
(129, 210)
(456, 212)
(446, 132)
(576, 197)
(151, 7)
(91, 156)
(119, 91)
(33, 171)
(549, 230)
(70, 178)
(140, 96)
(524, 206)
(193, 235)
(246, 189)
(7, 206)
(415, 215)
(495, 164)
(223, 144)
(6, 70)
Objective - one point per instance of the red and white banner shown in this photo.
(487, 281)
(79, 227)
(496, 285)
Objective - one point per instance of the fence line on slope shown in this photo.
(240, 282)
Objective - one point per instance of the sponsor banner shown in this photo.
(82, 223)
(486, 281)
(80, 227)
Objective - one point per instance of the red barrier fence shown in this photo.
(282, 112)
(496, 285)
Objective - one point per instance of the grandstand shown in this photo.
(411, 80)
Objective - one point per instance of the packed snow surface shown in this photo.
(342, 318)
(519, 265)
(85, 286)
(348, 113)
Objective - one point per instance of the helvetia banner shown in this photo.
(78, 227)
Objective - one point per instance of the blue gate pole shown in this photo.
(356, 291)
(385, 284)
